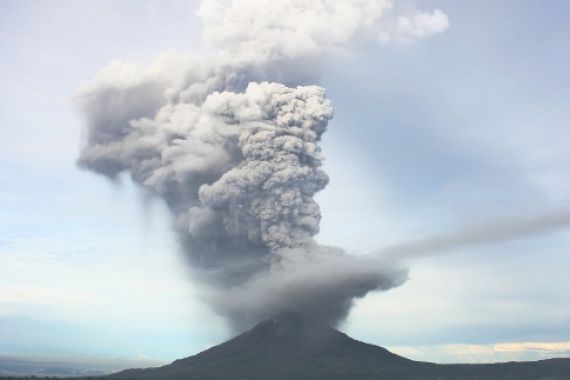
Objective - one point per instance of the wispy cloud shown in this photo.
(45, 296)
(485, 353)
(547, 348)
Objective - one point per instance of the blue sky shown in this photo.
(466, 126)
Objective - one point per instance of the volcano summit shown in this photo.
(288, 347)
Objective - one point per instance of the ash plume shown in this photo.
(231, 144)
(496, 231)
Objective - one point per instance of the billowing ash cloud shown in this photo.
(294, 28)
(317, 282)
(266, 197)
(231, 144)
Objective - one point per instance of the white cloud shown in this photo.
(421, 25)
(44, 296)
(299, 27)
(485, 353)
(548, 348)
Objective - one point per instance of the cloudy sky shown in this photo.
(462, 123)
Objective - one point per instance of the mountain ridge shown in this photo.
(286, 348)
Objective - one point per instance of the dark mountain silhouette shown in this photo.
(289, 348)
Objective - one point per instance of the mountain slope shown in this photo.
(289, 348)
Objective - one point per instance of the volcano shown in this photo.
(286, 348)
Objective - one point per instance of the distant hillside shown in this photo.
(289, 348)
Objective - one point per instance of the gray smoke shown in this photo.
(322, 281)
(495, 231)
(238, 170)
(231, 144)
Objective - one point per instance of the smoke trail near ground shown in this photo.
(231, 144)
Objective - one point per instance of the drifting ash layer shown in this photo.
(288, 347)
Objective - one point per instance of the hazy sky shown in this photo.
(466, 127)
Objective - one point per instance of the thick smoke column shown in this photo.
(239, 171)
(230, 143)
(267, 195)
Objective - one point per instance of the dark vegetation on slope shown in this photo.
(289, 348)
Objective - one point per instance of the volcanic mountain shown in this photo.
(286, 348)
